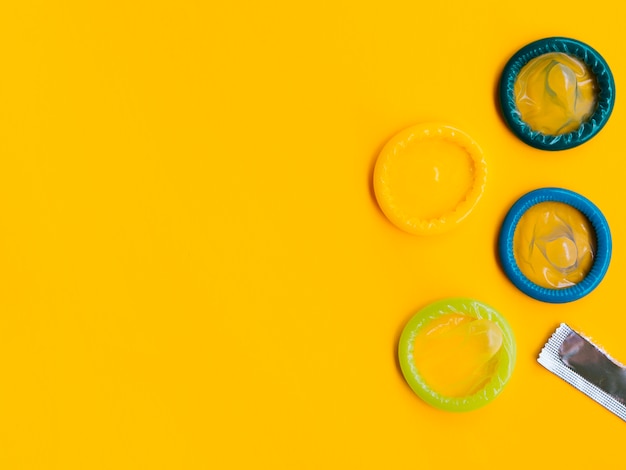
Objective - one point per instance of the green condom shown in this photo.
(477, 363)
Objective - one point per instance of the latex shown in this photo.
(428, 178)
(554, 245)
(555, 93)
(456, 355)
(434, 171)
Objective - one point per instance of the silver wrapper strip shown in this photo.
(586, 367)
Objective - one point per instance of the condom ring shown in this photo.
(589, 127)
(419, 325)
(428, 178)
(601, 259)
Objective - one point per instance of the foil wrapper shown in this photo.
(586, 367)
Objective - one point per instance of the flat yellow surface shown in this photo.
(195, 273)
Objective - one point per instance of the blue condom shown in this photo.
(605, 93)
(603, 245)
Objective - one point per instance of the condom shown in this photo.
(556, 93)
(457, 354)
(555, 245)
(428, 178)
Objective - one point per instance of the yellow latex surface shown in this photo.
(554, 245)
(555, 93)
(456, 354)
(428, 178)
(195, 273)
(431, 178)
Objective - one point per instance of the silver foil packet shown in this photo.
(586, 367)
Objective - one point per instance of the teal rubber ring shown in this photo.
(465, 306)
(603, 245)
(605, 95)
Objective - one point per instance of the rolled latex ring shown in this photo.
(499, 377)
(590, 127)
(602, 236)
(408, 213)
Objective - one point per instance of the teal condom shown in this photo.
(461, 322)
(590, 59)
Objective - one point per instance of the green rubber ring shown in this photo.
(472, 308)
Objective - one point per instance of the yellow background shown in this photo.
(194, 271)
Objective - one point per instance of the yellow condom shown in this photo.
(428, 178)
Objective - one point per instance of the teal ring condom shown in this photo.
(588, 129)
(603, 245)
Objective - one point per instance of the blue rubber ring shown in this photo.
(605, 95)
(603, 245)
